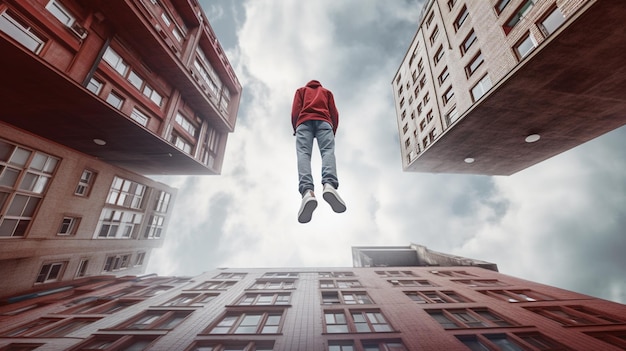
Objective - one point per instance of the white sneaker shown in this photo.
(332, 197)
(309, 203)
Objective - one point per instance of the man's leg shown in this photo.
(326, 144)
(304, 147)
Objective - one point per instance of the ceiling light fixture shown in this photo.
(99, 142)
(469, 160)
(532, 138)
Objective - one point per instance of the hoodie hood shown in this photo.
(313, 84)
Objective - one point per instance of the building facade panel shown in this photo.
(486, 63)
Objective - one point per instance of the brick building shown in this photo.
(493, 87)
(95, 96)
(434, 301)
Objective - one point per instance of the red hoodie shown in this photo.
(314, 102)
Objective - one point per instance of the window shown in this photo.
(438, 55)
(188, 299)
(468, 318)
(17, 217)
(84, 183)
(152, 94)
(405, 128)
(520, 13)
(474, 64)
(511, 342)
(423, 297)
(429, 116)
(382, 345)
(181, 143)
(155, 319)
(186, 124)
(82, 268)
(576, 315)
(341, 284)
(366, 322)
(524, 46)
(480, 282)
(51, 272)
(126, 193)
(115, 100)
(452, 115)
(265, 299)
(212, 143)
(395, 273)
(434, 35)
(359, 322)
(341, 345)
(249, 323)
(452, 274)
(273, 284)
(233, 346)
(154, 229)
(406, 282)
(467, 42)
(118, 224)
(420, 66)
(214, 285)
(517, 295)
(443, 76)
(447, 96)
(552, 21)
(423, 81)
(460, 19)
(115, 61)
(237, 276)
(69, 226)
(451, 4)
(139, 117)
(21, 32)
(162, 201)
(95, 86)
(117, 262)
(426, 99)
(481, 88)
(49, 327)
(139, 259)
(60, 12)
(207, 73)
(500, 5)
(407, 143)
(345, 297)
(116, 343)
(335, 322)
(431, 16)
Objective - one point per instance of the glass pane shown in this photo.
(38, 161)
(503, 343)
(19, 33)
(8, 176)
(17, 205)
(7, 227)
(553, 21)
(337, 328)
(20, 156)
(136, 346)
(5, 151)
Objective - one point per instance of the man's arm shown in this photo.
(334, 114)
(296, 107)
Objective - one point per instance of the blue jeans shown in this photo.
(305, 133)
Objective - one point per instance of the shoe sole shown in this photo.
(334, 202)
(307, 211)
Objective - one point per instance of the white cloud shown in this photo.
(532, 224)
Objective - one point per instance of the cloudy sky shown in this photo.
(561, 222)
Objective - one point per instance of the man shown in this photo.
(314, 116)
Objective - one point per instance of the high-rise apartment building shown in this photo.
(493, 87)
(95, 96)
(435, 302)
